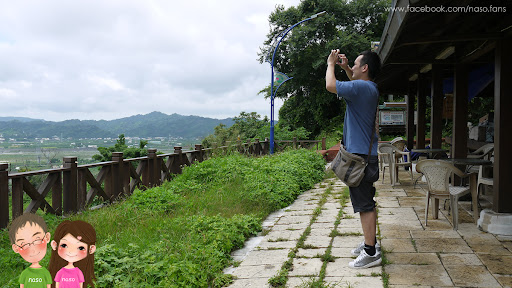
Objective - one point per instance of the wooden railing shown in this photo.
(73, 187)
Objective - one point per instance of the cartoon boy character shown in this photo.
(29, 237)
(72, 258)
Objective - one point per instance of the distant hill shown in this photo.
(154, 124)
(21, 119)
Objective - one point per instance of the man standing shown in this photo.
(361, 96)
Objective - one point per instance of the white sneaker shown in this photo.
(356, 251)
(366, 261)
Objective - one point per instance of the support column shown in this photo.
(410, 99)
(422, 104)
(436, 112)
(502, 136)
(460, 112)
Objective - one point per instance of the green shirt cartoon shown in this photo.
(35, 278)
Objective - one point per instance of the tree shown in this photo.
(302, 55)
(251, 126)
(120, 146)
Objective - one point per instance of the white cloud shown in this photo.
(99, 59)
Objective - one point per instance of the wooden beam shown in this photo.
(436, 112)
(410, 99)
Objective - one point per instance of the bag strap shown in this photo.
(373, 134)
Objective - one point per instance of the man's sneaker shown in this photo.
(366, 261)
(356, 251)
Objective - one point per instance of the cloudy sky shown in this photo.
(108, 59)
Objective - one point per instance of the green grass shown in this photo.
(181, 234)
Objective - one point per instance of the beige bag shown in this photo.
(349, 167)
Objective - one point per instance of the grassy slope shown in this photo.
(181, 234)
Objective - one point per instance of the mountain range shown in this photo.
(154, 124)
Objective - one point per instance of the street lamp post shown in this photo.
(283, 78)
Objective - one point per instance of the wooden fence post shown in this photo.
(69, 181)
(81, 191)
(199, 152)
(152, 173)
(266, 146)
(178, 161)
(117, 174)
(4, 195)
(324, 143)
(294, 142)
(257, 147)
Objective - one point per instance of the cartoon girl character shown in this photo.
(73, 253)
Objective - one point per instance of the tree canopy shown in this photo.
(348, 26)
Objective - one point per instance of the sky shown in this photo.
(109, 59)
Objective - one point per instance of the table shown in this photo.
(428, 151)
(472, 178)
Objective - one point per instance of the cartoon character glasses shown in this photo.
(27, 245)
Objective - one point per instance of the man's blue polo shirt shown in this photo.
(362, 98)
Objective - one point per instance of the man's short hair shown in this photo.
(22, 220)
(373, 60)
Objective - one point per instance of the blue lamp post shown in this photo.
(281, 76)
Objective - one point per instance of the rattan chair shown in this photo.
(438, 174)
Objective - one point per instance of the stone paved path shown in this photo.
(313, 216)
(416, 255)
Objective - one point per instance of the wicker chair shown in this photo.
(393, 153)
(438, 175)
(484, 152)
(399, 143)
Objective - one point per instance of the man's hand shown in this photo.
(333, 57)
(344, 65)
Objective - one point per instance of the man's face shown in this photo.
(31, 242)
(357, 69)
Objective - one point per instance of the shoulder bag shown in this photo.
(350, 167)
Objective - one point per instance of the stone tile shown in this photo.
(321, 232)
(260, 271)
(342, 252)
(490, 249)
(326, 218)
(265, 245)
(471, 276)
(482, 239)
(291, 227)
(437, 224)
(261, 257)
(507, 245)
(413, 258)
(284, 234)
(442, 234)
(346, 241)
(346, 223)
(340, 268)
(350, 231)
(454, 259)
(446, 246)
(397, 245)
(306, 267)
(252, 282)
(318, 241)
(497, 264)
(404, 225)
(411, 201)
(504, 280)
(299, 282)
(355, 282)
(395, 234)
(390, 192)
(293, 220)
(315, 226)
(310, 253)
(388, 202)
(412, 275)
(408, 286)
